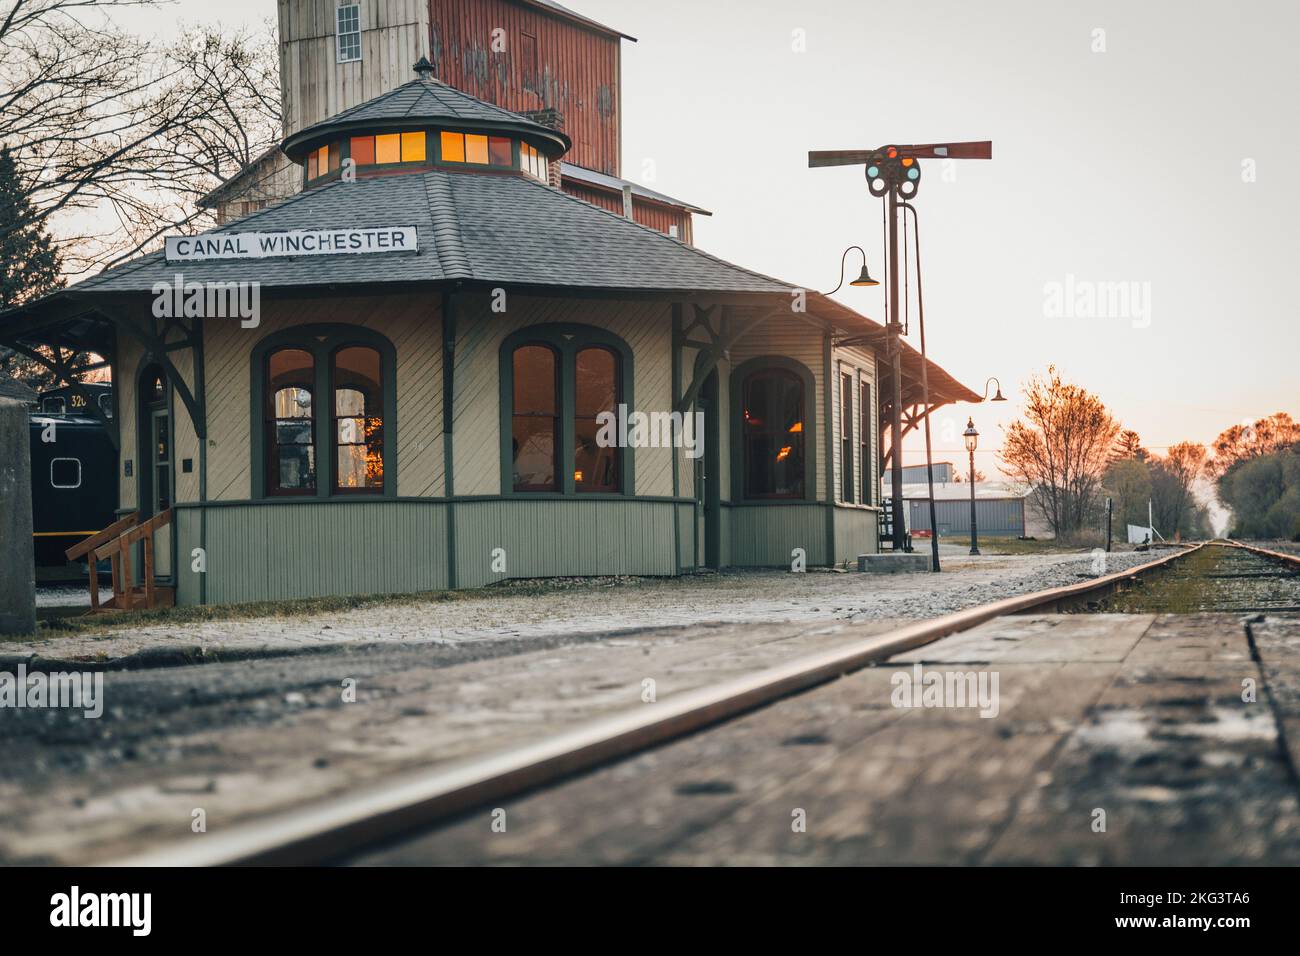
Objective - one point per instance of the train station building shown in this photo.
(397, 378)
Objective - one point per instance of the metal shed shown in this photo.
(999, 517)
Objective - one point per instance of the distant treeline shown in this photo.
(1264, 495)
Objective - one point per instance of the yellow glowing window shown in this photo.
(412, 147)
(388, 148)
(476, 149)
(796, 427)
(318, 162)
(453, 147)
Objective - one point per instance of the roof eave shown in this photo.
(563, 13)
(552, 143)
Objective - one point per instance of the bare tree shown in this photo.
(1243, 442)
(1060, 451)
(1174, 500)
(101, 124)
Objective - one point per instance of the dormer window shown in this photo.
(348, 20)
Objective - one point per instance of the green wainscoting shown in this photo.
(763, 535)
(276, 550)
(856, 530)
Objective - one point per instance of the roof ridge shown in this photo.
(448, 240)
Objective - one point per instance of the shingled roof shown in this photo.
(426, 101)
(474, 227)
(483, 228)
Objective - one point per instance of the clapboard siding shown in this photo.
(411, 322)
(185, 440)
(860, 366)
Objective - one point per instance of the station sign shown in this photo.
(298, 242)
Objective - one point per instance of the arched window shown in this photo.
(557, 381)
(290, 425)
(358, 432)
(596, 390)
(324, 401)
(534, 433)
(773, 430)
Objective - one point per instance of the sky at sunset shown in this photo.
(1160, 163)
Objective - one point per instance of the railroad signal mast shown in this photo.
(894, 174)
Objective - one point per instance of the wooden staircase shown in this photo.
(115, 544)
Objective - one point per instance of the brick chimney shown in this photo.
(551, 118)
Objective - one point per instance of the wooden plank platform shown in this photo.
(1135, 720)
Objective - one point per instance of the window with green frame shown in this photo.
(324, 413)
(556, 384)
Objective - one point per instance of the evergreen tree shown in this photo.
(29, 265)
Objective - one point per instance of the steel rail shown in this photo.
(335, 827)
(1278, 555)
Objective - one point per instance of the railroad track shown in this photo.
(340, 827)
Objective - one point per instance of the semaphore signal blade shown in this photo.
(979, 149)
(839, 157)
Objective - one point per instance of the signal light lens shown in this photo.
(913, 173)
(873, 172)
(908, 161)
(877, 184)
(892, 153)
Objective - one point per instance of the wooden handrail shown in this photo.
(118, 553)
(99, 537)
(145, 528)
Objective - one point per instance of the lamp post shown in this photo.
(864, 277)
(972, 438)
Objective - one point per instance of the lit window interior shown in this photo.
(476, 149)
(392, 149)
